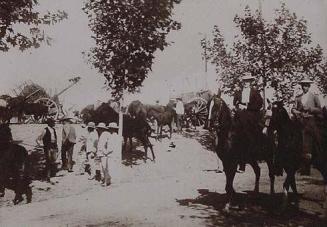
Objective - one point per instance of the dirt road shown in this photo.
(180, 188)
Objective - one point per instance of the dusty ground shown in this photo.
(180, 189)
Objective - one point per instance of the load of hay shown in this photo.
(33, 91)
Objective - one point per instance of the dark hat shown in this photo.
(50, 121)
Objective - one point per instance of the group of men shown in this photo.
(99, 143)
(307, 107)
(49, 140)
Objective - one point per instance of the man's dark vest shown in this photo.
(47, 137)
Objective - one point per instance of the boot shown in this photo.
(97, 175)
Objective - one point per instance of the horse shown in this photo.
(235, 146)
(14, 165)
(137, 109)
(163, 118)
(38, 110)
(5, 114)
(132, 127)
(290, 145)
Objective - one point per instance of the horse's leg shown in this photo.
(230, 174)
(294, 189)
(256, 169)
(130, 143)
(286, 187)
(28, 193)
(18, 190)
(148, 143)
(125, 142)
(170, 130)
(271, 176)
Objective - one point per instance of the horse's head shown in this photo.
(279, 115)
(5, 134)
(220, 113)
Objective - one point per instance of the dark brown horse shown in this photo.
(14, 164)
(137, 109)
(163, 118)
(290, 145)
(238, 144)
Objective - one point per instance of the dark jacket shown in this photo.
(47, 138)
(255, 102)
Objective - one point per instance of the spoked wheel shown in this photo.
(53, 109)
(198, 112)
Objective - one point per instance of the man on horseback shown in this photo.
(248, 103)
(307, 110)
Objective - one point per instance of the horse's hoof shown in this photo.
(227, 208)
(16, 201)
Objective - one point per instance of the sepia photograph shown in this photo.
(163, 113)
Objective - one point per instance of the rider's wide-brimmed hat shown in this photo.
(102, 125)
(91, 125)
(67, 118)
(248, 77)
(113, 125)
(306, 80)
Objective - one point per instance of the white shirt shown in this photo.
(91, 141)
(304, 98)
(246, 95)
(107, 143)
(212, 102)
(179, 108)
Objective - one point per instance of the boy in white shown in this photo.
(91, 147)
(108, 143)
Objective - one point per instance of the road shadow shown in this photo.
(205, 138)
(248, 209)
(133, 157)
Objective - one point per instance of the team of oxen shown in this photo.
(236, 143)
(19, 107)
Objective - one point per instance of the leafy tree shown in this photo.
(14, 12)
(279, 50)
(127, 33)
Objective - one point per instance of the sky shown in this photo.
(178, 68)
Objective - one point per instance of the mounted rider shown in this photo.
(308, 111)
(248, 103)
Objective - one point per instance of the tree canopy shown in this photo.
(127, 34)
(279, 50)
(14, 12)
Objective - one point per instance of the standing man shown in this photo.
(50, 147)
(249, 100)
(307, 108)
(180, 113)
(68, 142)
(91, 144)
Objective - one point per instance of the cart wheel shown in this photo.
(53, 109)
(199, 112)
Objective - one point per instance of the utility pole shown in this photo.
(205, 62)
(263, 76)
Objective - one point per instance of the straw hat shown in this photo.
(247, 76)
(102, 125)
(113, 125)
(306, 80)
(91, 125)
